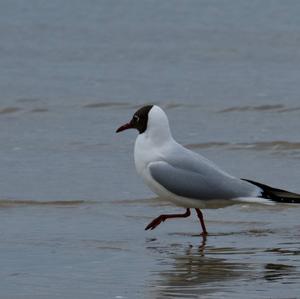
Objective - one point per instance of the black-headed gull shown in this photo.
(186, 178)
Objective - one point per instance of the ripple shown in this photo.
(39, 110)
(250, 232)
(146, 201)
(28, 100)
(8, 110)
(105, 245)
(205, 145)
(164, 105)
(17, 202)
(106, 104)
(290, 109)
(285, 251)
(279, 145)
(280, 108)
(274, 272)
(253, 108)
(172, 105)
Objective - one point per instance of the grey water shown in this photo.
(73, 210)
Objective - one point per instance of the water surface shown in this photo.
(72, 209)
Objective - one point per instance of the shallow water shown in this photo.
(72, 209)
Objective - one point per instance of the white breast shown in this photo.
(144, 154)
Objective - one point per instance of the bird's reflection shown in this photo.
(189, 272)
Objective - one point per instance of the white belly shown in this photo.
(143, 156)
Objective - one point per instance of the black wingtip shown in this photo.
(277, 195)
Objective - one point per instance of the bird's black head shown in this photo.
(139, 120)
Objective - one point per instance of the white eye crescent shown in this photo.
(136, 118)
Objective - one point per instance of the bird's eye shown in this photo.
(136, 118)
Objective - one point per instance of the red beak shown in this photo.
(124, 127)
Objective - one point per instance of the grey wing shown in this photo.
(210, 184)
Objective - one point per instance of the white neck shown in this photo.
(158, 129)
(152, 144)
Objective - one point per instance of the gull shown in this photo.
(186, 178)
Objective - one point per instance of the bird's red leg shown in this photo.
(157, 221)
(200, 216)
